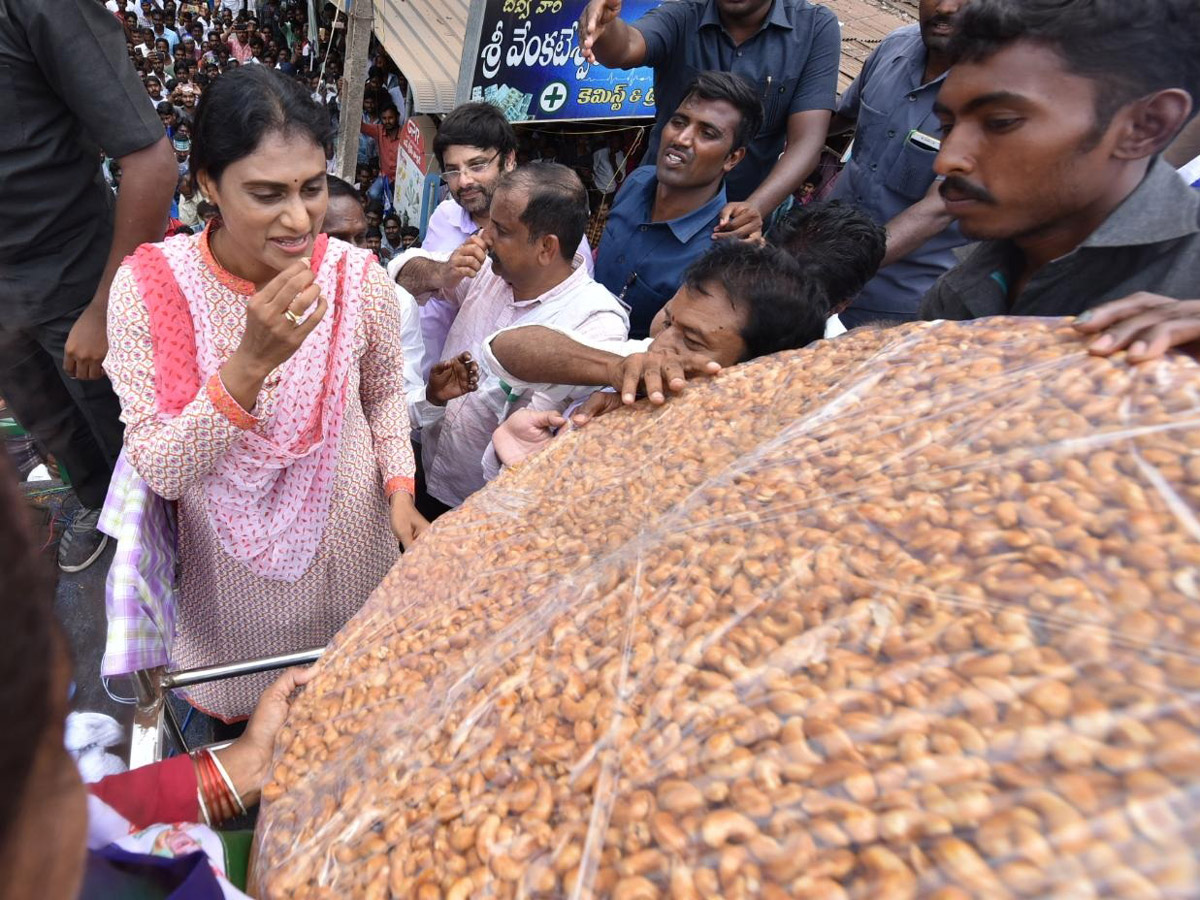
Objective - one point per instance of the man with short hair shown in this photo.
(146, 47)
(664, 216)
(1055, 114)
(386, 136)
(162, 31)
(838, 245)
(737, 302)
(524, 267)
(787, 49)
(730, 307)
(60, 248)
(238, 42)
(391, 234)
(890, 171)
(475, 146)
(166, 115)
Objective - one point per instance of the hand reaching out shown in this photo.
(658, 371)
(739, 220)
(599, 404)
(452, 378)
(597, 16)
(525, 432)
(1146, 325)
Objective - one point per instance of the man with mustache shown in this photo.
(787, 49)
(664, 215)
(1054, 117)
(474, 147)
(890, 172)
(531, 273)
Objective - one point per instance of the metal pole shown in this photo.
(233, 670)
(358, 48)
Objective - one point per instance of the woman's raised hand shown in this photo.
(280, 317)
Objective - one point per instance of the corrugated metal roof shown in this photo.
(864, 24)
(425, 38)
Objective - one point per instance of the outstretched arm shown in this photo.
(607, 40)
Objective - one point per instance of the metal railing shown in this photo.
(154, 721)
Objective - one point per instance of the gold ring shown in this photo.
(291, 317)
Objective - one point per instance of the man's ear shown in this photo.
(1151, 123)
(509, 162)
(548, 249)
(734, 158)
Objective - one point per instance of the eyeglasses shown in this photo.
(450, 176)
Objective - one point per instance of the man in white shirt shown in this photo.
(523, 267)
(737, 302)
(475, 145)
(608, 166)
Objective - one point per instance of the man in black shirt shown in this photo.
(67, 89)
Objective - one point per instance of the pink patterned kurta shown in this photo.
(227, 613)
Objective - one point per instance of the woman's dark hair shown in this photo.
(557, 204)
(1130, 49)
(245, 105)
(475, 125)
(27, 653)
(835, 242)
(738, 93)
(784, 310)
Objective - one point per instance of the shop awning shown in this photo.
(425, 38)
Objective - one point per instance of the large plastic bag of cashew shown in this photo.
(913, 612)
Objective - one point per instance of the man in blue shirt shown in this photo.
(890, 172)
(787, 49)
(664, 216)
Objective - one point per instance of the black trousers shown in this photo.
(78, 421)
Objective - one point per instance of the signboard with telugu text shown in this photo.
(410, 172)
(530, 65)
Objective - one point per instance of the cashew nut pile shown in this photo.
(909, 613)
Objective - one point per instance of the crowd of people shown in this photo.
(269, 404)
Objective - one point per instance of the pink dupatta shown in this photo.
(267, 498)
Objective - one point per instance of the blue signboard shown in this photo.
(529, 64)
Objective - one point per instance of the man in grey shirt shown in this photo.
(1054, 115)
(787, 49)
(67, 89)
(890, 171)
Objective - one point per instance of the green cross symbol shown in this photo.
(554, 95)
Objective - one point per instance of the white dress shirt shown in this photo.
(453, 446)
(448, 228)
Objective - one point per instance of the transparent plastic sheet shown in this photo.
(909, 613)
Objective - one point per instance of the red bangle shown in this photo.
(220, 786)
(215, 791)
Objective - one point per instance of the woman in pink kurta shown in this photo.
(260, 373)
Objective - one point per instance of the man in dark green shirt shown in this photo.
(1054, 116)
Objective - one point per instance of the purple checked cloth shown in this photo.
(140, 597)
